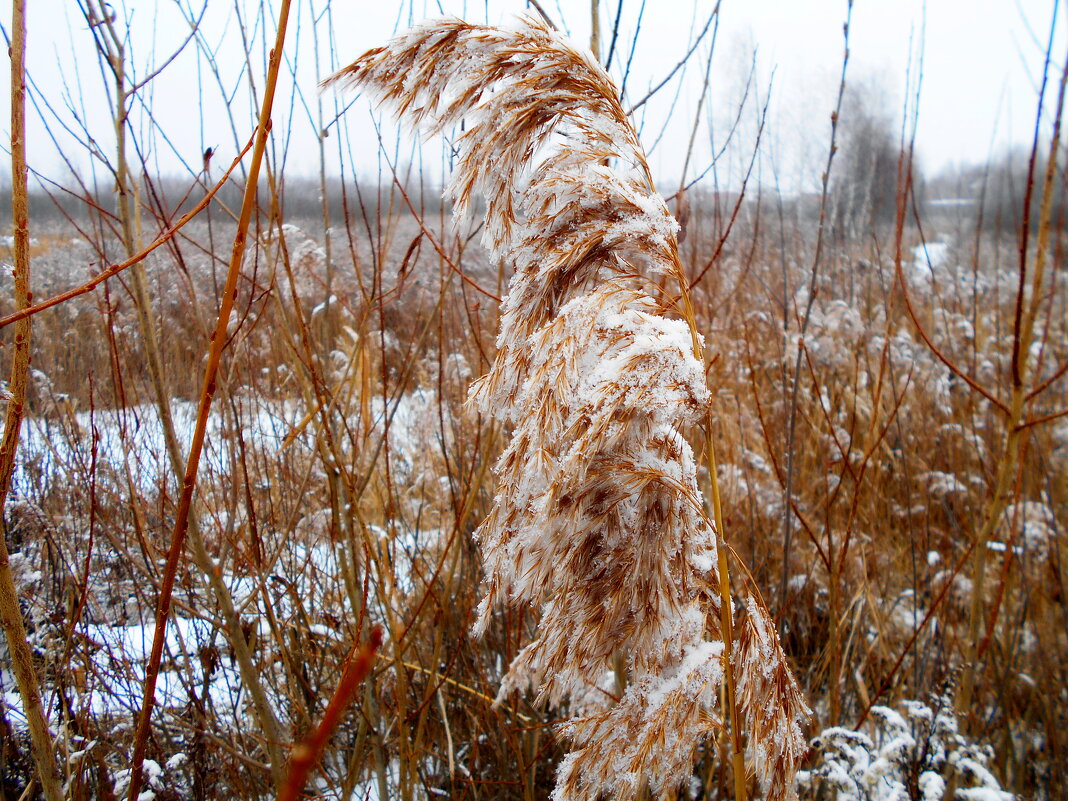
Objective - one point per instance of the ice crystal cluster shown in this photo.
(915, 754)
(598, 520)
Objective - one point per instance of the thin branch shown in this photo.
(541, 12)
(22, 660)
(304, 756)
(218, 341)
(115, 269)
(177, 52)
(1037, 421)
(814, 275)
(679, 66)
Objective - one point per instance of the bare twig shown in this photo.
(115, 269)
(304, 756)
(1023, 335)
(649, 95)
(814, 275)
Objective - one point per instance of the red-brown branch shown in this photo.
(305, 755)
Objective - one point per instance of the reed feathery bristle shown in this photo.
(598, 518)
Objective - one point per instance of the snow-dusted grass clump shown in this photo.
(917, 753)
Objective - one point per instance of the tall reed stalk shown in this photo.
(1025, 384)
(29, 688)
(1018, 417)
(598, 519)
(111, 43)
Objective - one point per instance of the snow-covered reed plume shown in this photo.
(598, 519)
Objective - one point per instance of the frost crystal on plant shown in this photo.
(598, 519)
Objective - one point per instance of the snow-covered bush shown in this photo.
(915, 754)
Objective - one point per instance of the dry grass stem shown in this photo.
(218, 341)
(10, 614)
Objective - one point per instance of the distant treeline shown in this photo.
(863, 193)
(996, 192)
(170, 197)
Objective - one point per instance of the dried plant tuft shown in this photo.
(598, 519)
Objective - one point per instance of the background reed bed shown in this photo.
(884, 372)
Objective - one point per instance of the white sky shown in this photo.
(981, 69)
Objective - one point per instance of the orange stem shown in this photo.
(218, 341)
(304, 756)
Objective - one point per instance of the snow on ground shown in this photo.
(132, 438)
(55, 453)
(119, 653)
(928, 257)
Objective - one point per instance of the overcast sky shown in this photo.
(982, 63)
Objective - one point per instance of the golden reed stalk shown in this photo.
(22, 662)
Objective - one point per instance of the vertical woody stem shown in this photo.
(1008, 465)
(595, 28)
(726, 618)
(10, 616)
(218, 340)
